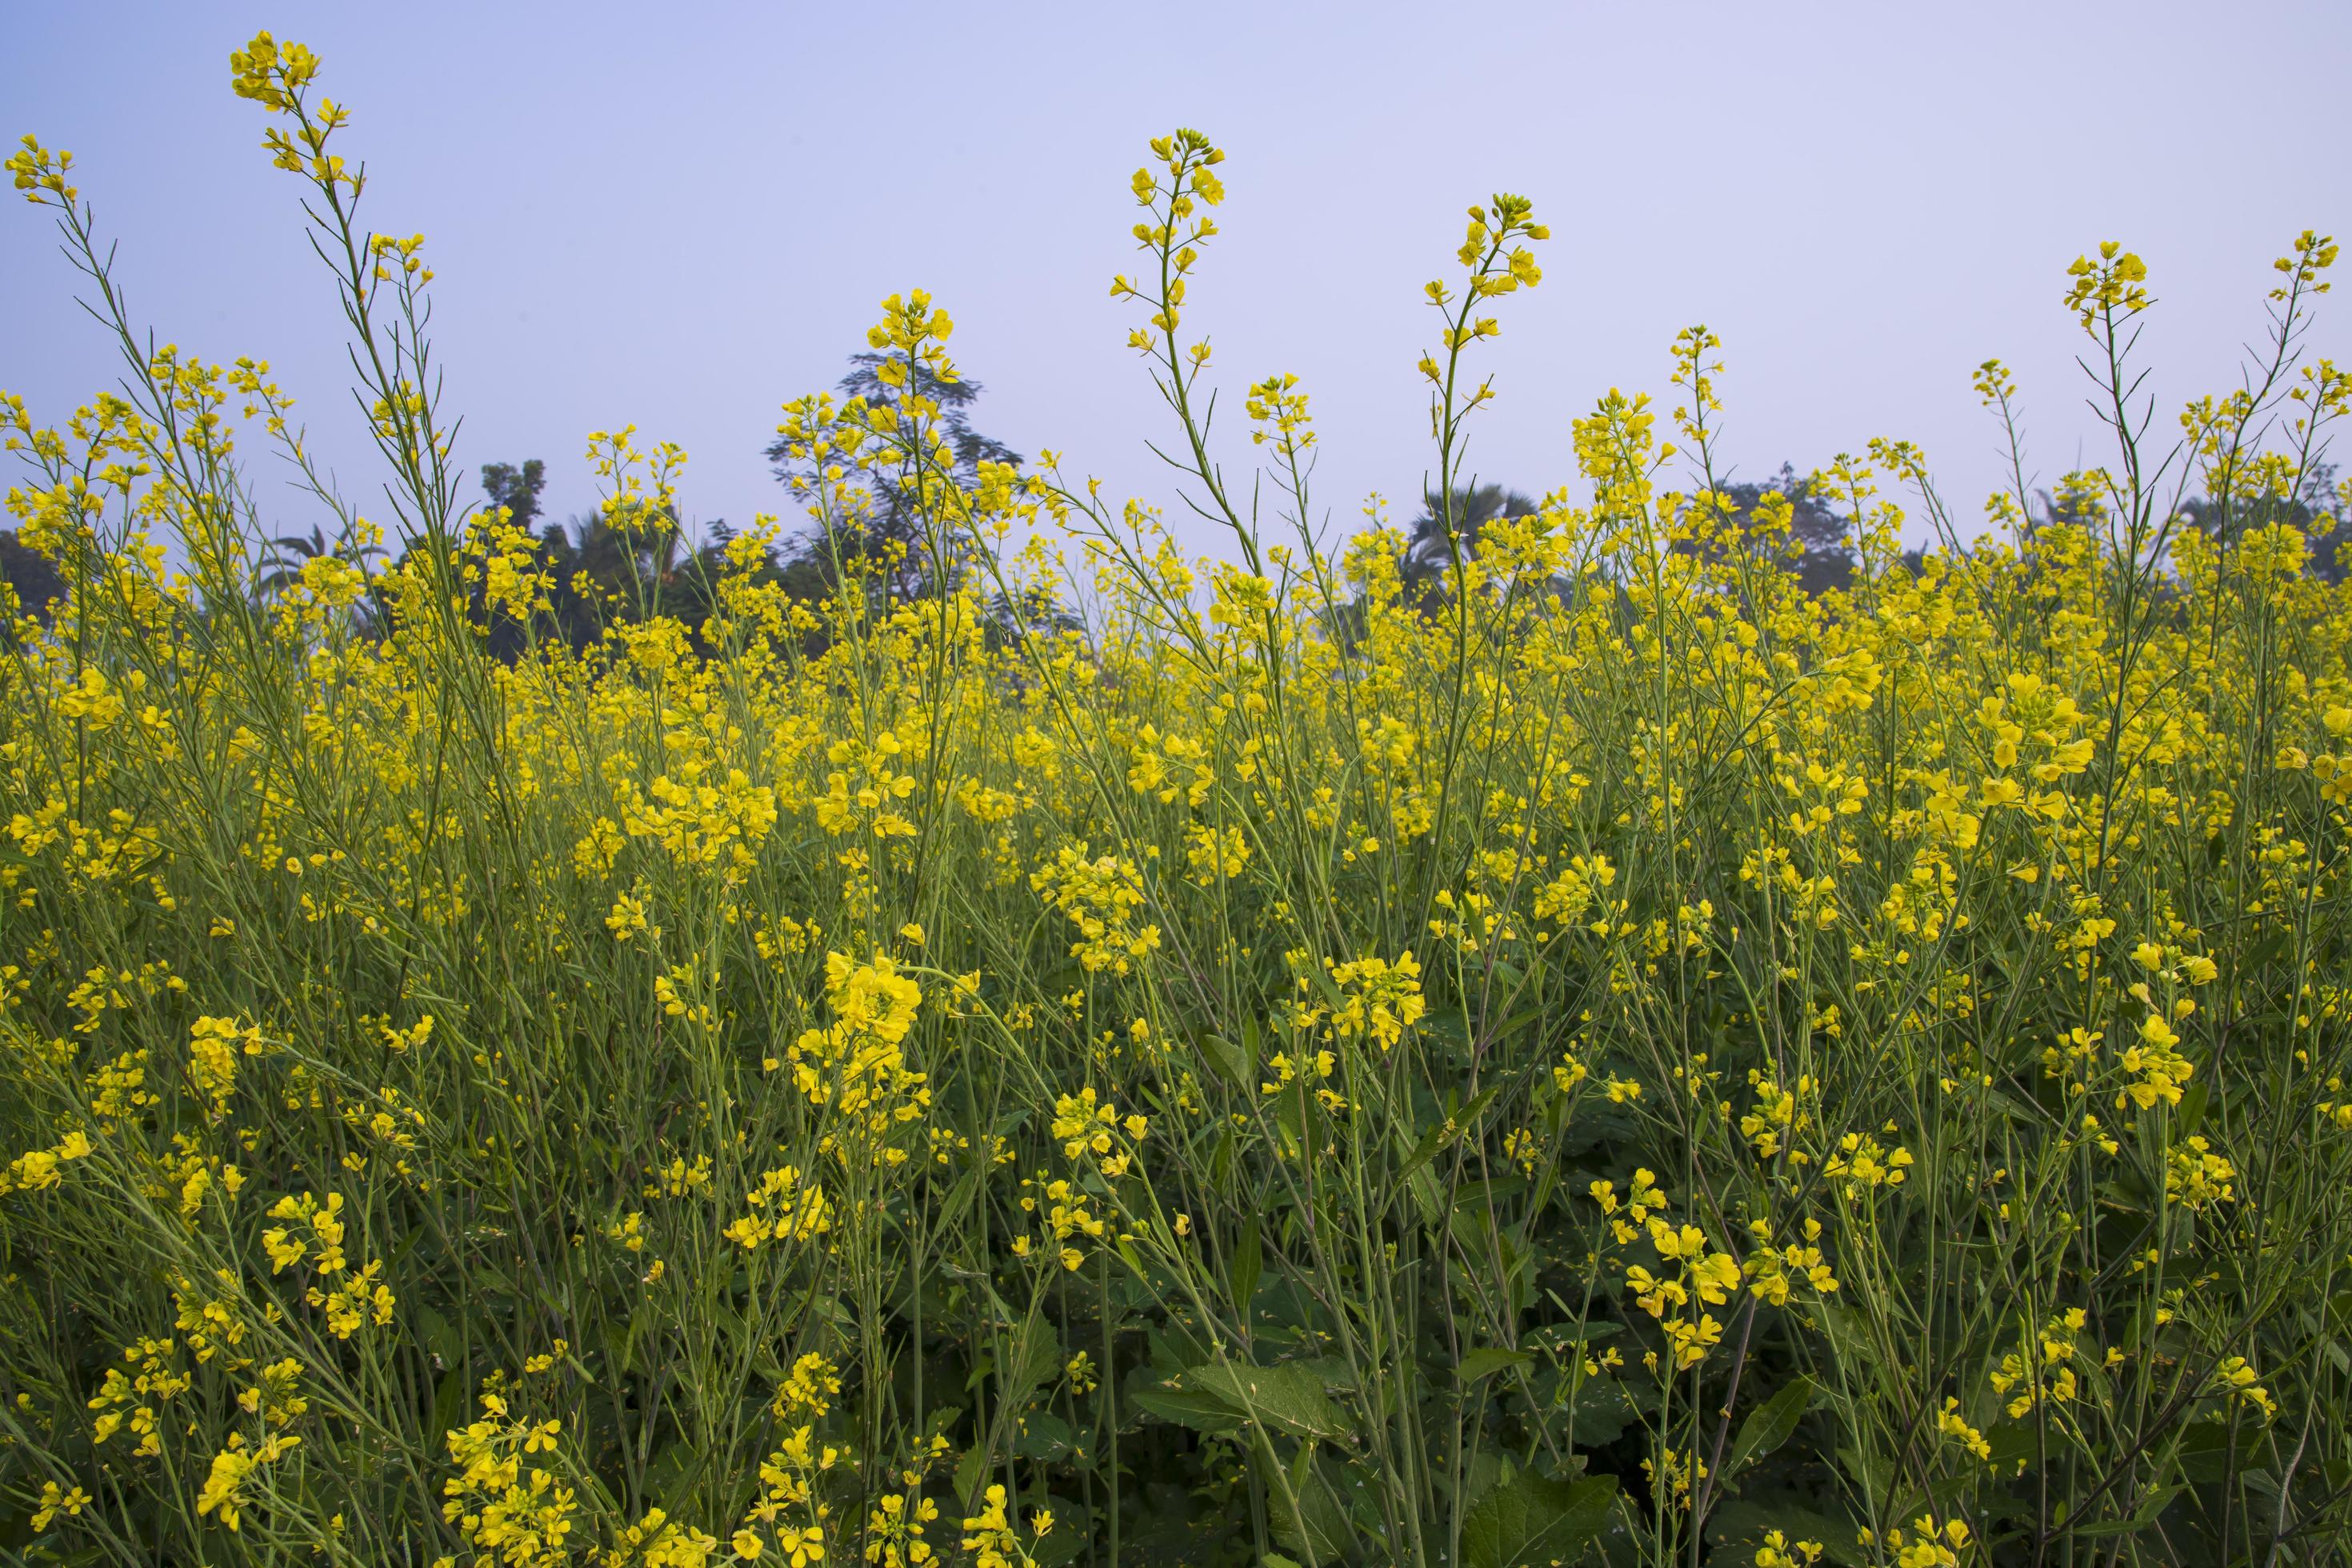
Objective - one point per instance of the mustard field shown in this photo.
(1540, 1037)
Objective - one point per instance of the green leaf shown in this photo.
(1488, 1360)
(1735, 1529)
(1446, 1131)
(1037, 1357)
(1067, 1542)
(622, 1345)
(2192, 1109)
(1247, 1260)
(441, 1337)
(674, 1473)
(1422, 1184)
(449, 1400)
(2010, 1445)
(1769, 1425)
(1332, 1370)
(1172, 1349)
(2264, 953)
(2204, 1452)
(1289, 1398)
(1202, 1413)
(1604, 1408)
(1561, 1338)
(1228, 1058)
(1865, 1469)
(1518, 1021)
(1291, 1115)
(1044, 1437)
(1532, 1520)
(969, 1471)
(2155, 1503)
(1309, 1518)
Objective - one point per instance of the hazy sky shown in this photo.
(679, 216)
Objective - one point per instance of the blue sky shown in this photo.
(679, 216)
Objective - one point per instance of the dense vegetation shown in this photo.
(1548, 1040)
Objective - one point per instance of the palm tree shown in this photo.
(283, 562)
(1426, 552)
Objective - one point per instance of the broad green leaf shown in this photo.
(1533, 1521)
(1331, 1369)
(449, 1400)
(1769, 1425)
(1488, 1360)
(2204, 1452)
(1308, 1519)
(1739, 1527)
(1422, 1184)
(1035, 1358)
(1446, 1131)
(1066, 1543)
(1287, 1397)
(1228, 1058)
(1181, 1407)
(1604, 1410)
(674, 1473)
(2155, 1503)
(969, 1471)
(1043, 1436)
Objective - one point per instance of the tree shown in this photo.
(517, 490)
(893, 538)
(601, 573)
(32, 574)
(1426, 554)
(282, 564)
(1819, 530)
(2317, 509)
(600, 576)
(597, 573)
